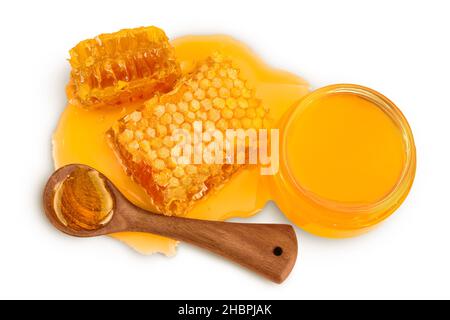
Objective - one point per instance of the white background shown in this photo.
(399, 48)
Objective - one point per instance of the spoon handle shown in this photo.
(268, 249)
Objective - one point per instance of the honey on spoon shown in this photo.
(82, 201)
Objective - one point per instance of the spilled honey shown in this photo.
(82, 201)
(80, 138)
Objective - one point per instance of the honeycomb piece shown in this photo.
(214, 94)
(128, 65)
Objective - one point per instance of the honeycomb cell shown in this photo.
(175, 184)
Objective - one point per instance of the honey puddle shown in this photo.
(80, 138)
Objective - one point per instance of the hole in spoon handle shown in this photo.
(268, 249)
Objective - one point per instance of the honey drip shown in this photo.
(82, 201)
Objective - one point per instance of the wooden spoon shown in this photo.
(268, 249)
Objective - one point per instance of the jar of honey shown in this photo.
(347, 161)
